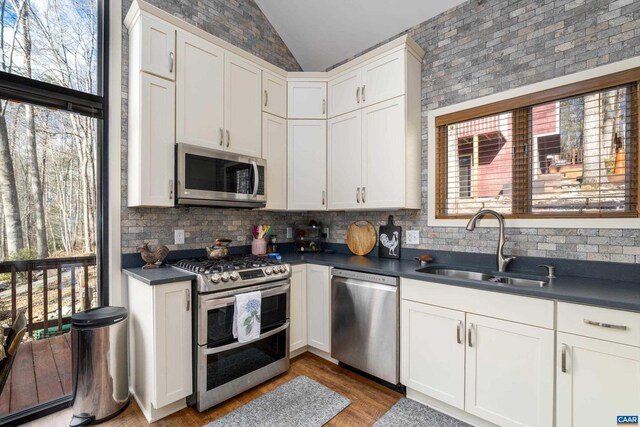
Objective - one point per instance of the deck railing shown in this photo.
(69, 268)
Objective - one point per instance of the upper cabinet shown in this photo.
(199, 92)
(376, 81)
(157, 42)
(307, 100)
(307, 165)
(274, 95)
(274, 150)
(242, 111)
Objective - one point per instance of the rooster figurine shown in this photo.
(154, 258)
(391, 244)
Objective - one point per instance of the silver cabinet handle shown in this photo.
(364, 194)
(324, 106)
(469, 335)
(605, 325)
(358, 195)
(221, 137)
(228, 138)
(563, 361)
(188, 292)
(171, 62)
(459, 332)
(358, 95)
(266, 98)
(363, 86)
(323, 194)
(170, 189)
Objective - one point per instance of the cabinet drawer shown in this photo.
(597, 322)
(530, 311)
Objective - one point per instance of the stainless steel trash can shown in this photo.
(100, 364)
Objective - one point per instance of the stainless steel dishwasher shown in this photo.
(365, 323)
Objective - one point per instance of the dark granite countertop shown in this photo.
(158, 276)
(619, 294)
(601, 284)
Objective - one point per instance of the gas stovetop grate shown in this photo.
(235, 263)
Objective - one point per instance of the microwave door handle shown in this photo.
(256, 179)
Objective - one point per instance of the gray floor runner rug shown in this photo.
(409, 413)
(300, 402)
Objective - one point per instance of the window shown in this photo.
(53, 161)
(566, 152)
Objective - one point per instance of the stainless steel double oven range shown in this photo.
(224, 366)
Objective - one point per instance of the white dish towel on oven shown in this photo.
(246, 316)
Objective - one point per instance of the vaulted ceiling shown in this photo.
(321, 33)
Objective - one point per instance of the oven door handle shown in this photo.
(223, 302)
(227, 347)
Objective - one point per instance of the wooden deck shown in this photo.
(40, 373)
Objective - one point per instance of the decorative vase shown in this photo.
(258, 247)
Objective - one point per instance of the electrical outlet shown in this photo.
(325, 231)
(413, 237)
(178, 237)
(289, 232)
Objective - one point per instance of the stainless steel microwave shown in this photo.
(209, 177)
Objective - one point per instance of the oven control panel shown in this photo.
(251, 274)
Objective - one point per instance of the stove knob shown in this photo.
(215, 278)
(268, 271)
(283, 269)
(225, 277)
(234, 275)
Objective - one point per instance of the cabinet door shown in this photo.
(274, 95)
(344, 93)
(274, 150)
(298, 307)
(383, 155)
(509, 376)
(307, 100)
(344, 168)
(151, 153)
(172, 346)
(598, 381)
(319, 307)
(432, 347)
(242, 110)
(383, 79)
(199, 92)
(307, 159)
(157, 49)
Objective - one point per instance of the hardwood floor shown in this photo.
(369, 400)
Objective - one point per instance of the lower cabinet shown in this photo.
(497, 370)
(160, 321)
(298, 308)
(319, 307)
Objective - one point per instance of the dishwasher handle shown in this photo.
(365, 277)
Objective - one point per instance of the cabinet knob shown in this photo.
(358, 95)
(170, 189)
(364, 194)
(324, 106)
(358, 195)
(228, 138)
(221, 137)
(266, 98)
(469, 335)
(363, 86)
(563, 362)
(459, 332)
(171, 62)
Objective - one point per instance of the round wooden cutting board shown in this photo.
(361, 237)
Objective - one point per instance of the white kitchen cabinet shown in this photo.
(160, 346)
(151, 141)
(597, 381)
(274, 95)
(274, 150)
(298, 308)
(509, 372)
(370, 162)
(199, 92)
(384, 78)
(307, 100)
(433, 352)
(153, 42)
(242, 110)
(384, 158)
(344, 153)
(319, 307)
(344, 93)
(307, 159)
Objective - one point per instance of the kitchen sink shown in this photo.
(483, 277)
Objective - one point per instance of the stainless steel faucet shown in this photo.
(502, 260)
